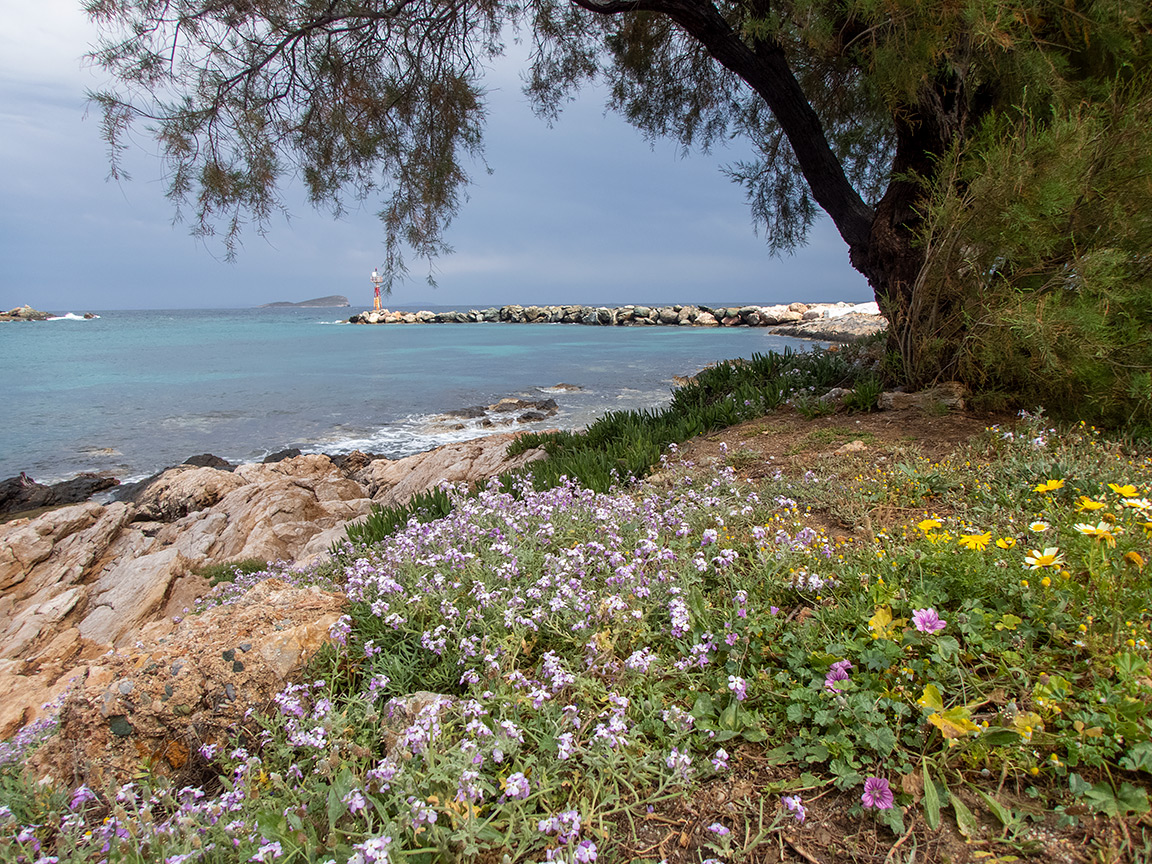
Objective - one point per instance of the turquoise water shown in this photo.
(131, 392)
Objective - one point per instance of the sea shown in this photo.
(131, 392)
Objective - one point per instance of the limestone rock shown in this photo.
(162, 699)
(394, 482)
(183, 490)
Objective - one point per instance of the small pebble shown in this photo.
(229, 655)
(245, 647)
(230, 692)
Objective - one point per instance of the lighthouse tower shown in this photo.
(377, 280)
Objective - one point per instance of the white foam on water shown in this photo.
(72, 316)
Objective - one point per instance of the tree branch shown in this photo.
(765, 69)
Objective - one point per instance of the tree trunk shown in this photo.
(927, 331)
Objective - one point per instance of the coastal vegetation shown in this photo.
(871, 655)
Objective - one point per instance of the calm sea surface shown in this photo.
(131, 392)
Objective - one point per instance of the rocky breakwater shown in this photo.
(80, 580)
(24, 313)
(642, 316)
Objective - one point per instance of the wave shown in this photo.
(72, 316)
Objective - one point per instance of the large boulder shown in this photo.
(394, 482)
(183, 490)
(159, 700)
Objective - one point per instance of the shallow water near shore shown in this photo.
(131, 392)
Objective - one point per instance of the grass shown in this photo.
(598, 667)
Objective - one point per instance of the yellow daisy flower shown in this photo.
(1006, 542)
(1125, 491)
(1085, 503)
(976, 542)
(929, 525)
(1049, 486)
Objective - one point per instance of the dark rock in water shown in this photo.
(23, 493)
(207, 460)
(281, 455)
(81, 488)
(18, 494)
(131, 492)
(531, 417)
(468, 413)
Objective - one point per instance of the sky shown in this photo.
(583, 212)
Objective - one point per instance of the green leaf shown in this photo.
(965, 821)
(931, 799)
(1078, 785)
(1003, 814)
(702, 708)
(1132, 799)
(778, 755)
(336, 807)
(1139, 758)
(728, 717)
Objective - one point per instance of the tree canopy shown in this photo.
(870, 110)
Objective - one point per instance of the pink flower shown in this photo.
(838, 672)
(877, 794)
(927, 621)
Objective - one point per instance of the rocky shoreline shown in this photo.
(833, 322)
(79, 580)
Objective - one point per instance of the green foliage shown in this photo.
(1037, 243)
(625, 444)
(383, 521)
(217, 573)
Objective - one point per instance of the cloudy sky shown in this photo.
(584, 212)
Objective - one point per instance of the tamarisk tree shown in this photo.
(860, 108)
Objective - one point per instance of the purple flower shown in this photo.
(718, 829)
(877, 794)
(794, 806)
(81, 796)
(738, 686)
(927, 621)
(837, 672)
(517, 786)
(720, 760)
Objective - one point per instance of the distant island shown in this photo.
(330, 300)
